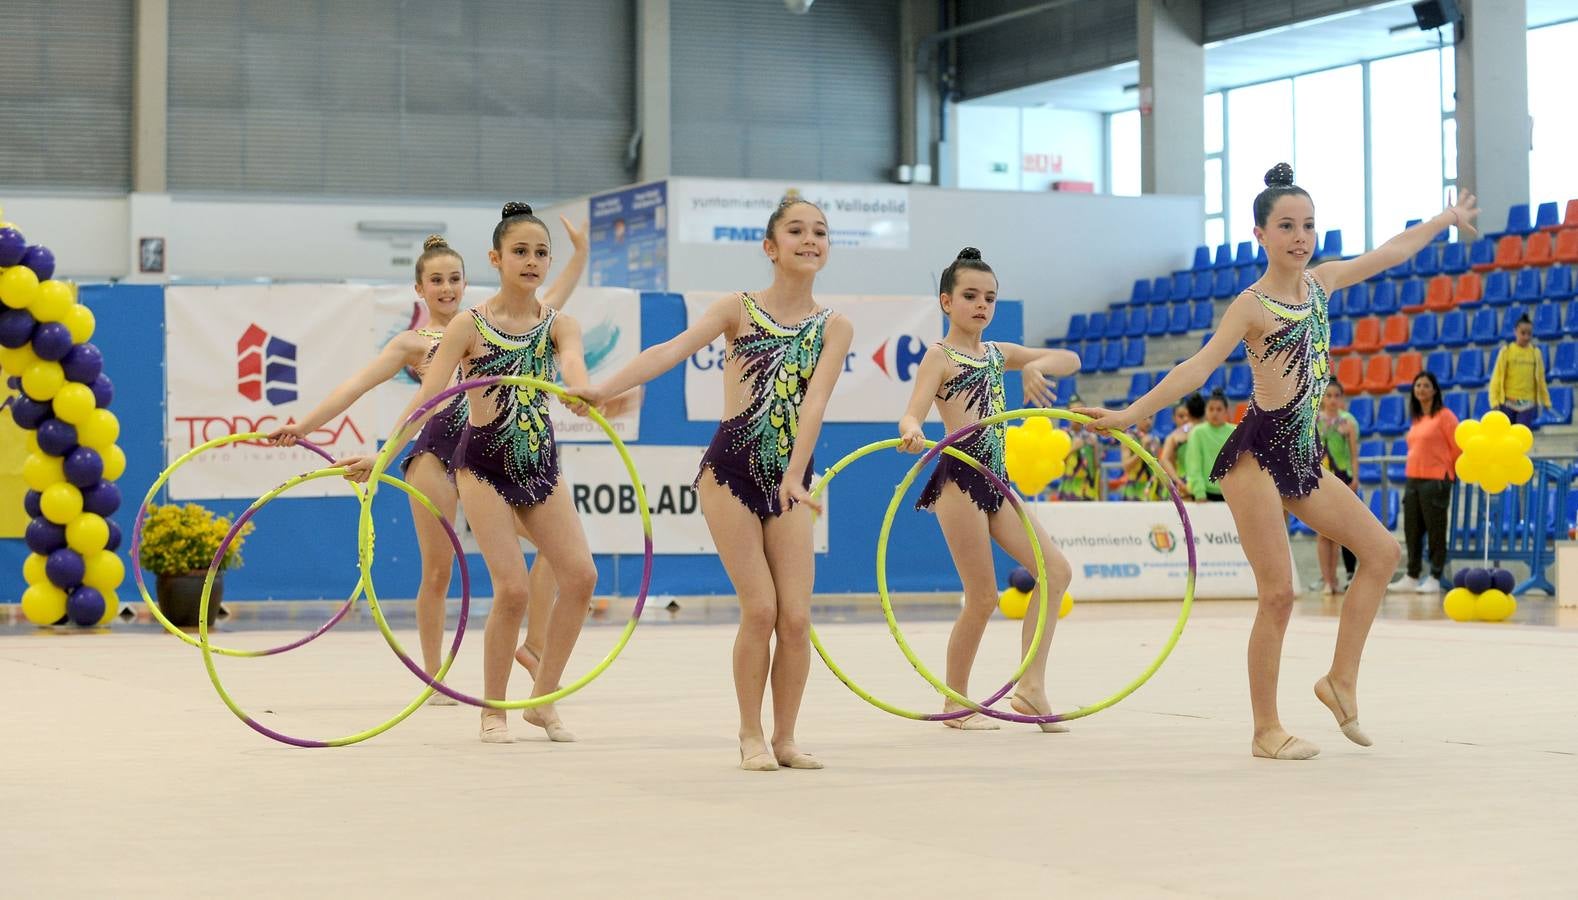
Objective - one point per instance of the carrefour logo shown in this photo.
(265, 367)
(898, 356)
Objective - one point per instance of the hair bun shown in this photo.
(435, 241)
(969, 253)
(1280, 175)
(516, 208)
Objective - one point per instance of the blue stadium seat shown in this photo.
(1439, 363)
(1383, 300)
(1097, 327)
(1260, 257)
(1222, 285)
(1224, 257)
(1548, 218)
(1077, 325)
(1117, 325)
(1356, 305)
(1202, 259)
(1561, 411)
(1483, 328)
(1527, 288)
(1240, 382)
(1216, 381)
(1341, 334)
(1454, 258)
(1518, 219)
(1068, 386)
(1481, 404)
(1559, 283)
(1427, 262)
(1139, 384)
(1246, 277)
(1391, 415)
(1404, 269)
(1180, 287)
(1134, 352)
(1362, 408)
(1413, 296)
(1498, 288)
(1202, 285)
(1564, 367)
(1200, 315)
(1370, 453)
(1331, 247)
(1178, 319)
(1245, 255)
(1422, 332)
(1509, 323)
(1141, 292)
(1385, 504)
(1548, 322)
(1156, 325)
(1139, 319)
(1482, 253)
(1397, 472)
(1457, 401)
(1112, 356)
(1454, 328)
(1161, 288)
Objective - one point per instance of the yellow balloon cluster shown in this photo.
(1495, 452)
(1015, 603)
(1034, 454)
(1463, 605)
(73, 570)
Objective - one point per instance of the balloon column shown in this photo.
(1034, 454)
(1483, 594)
(72, 572)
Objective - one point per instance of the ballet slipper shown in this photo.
(1024, 707)
(556, 730)
(972, 722)
(798, 760)
(1348, 724)
(442, 700)
(758, 762)
(495, 730)
(1292, 748)
(530, 660)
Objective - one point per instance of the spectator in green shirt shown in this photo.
(1205, 442)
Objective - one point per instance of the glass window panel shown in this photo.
(1215, 231)
(1259, 135)
(1329, 153)
(1123, 152)
(1405, 149)
(1213, 186)
(1552, 174)
(1213, 123)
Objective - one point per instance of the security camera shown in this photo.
(799, 7)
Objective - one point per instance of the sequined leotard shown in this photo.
(980, 381)
(1292, 368)
(750, 452)
(441, 432)
(514, 452)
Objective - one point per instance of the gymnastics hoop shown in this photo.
(942, 687)
(414, 705)
(365, 543)
(1041, 581)
(136, 551)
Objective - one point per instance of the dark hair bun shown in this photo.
(434, 242)
(517, 208)
(1281, 175)
(969, 253)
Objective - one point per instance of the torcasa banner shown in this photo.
(892, 334)
(243, 358)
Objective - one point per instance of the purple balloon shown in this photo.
(57, 438)
(65, 568)
(101, 499)
(32, 503)
(1502, 580)
(14, 382)
(45, 537)
(114, 543)
(1023, 579)
(103, 391)
(1477, 581)
(52, 341)
(85, 606)
(30, 413)
(83, 364)
(16, 328)
(1459, 577)
(40, 260)
(85, 467)
(12, 246)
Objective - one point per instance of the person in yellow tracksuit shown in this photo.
(1517, 385)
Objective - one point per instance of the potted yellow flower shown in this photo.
(178, 543)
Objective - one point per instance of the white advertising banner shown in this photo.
(605, 501)
(891, 338)
(728, 211)
(1135, 551)
(246, 358)
(610, 320)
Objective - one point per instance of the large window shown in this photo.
(1407, 163)
(1259, 135)
(1328, 149)
(1552, 173)
(1123, 153)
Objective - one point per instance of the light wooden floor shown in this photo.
(125, 776)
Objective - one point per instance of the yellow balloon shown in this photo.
(1014, 603)
(15, 360)
(1469, 469)
(1061, 443)
(1493, 485)
(30, 440)
(1015, 440)
(112, 605)
(80, 322)
(43, 604)
(61, 503)
(52, 301)
(1494, 606)
(43, 379)
(73, 402)
(99, 430)
(1478, 445)
(1458, 604)
(104, 571)
(18, 287)
(33, 569)
(1524, 438)
(1028, 487)
(40, 470)
(1522, 470)
(1067, 606)
(1058, 472)
(1039, 425)
(87, 533)
(114, 463)
(1465, 430)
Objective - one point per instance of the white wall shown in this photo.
(87, 234)
(1060, 253)
(1033, 147)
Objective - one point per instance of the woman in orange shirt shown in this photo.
(1427, 500)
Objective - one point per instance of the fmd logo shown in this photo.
(265, 367)
(731, 233)
(1112, 570)
(898, 356)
